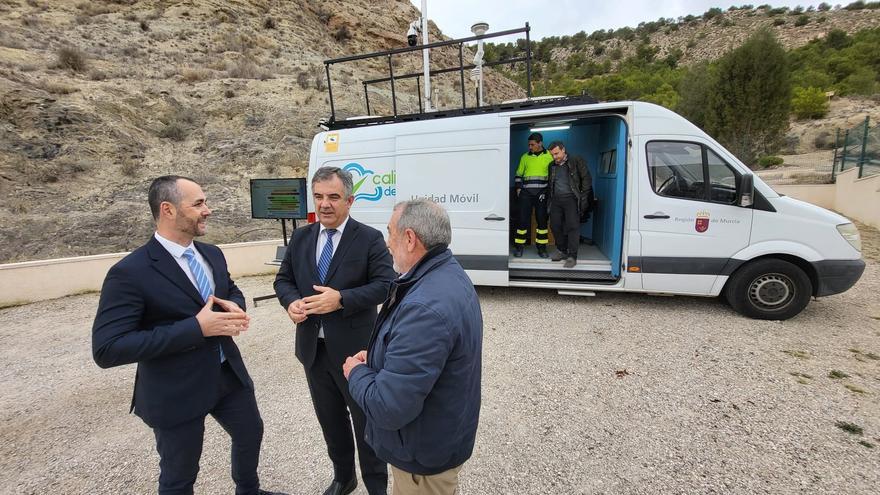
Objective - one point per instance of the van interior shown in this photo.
(601, 141)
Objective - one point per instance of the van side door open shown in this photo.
(689, 222)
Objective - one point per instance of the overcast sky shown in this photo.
(561, 17)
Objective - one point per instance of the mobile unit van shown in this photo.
(675, 213)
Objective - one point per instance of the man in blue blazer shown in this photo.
(171, 307)
(334, 275)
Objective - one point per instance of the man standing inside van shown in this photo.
(333, 276)
(530, 184)
(570, 188)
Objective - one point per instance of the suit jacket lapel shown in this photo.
(165, 264)
(345, 242)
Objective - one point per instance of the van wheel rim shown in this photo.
(772, 291)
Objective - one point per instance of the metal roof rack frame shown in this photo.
(332, 123)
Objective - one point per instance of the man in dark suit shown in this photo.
(333, 276)
(171, 307)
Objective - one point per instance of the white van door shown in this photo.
(461, 163)
(689, 223)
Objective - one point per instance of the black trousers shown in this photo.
(332, 401)
(566, 223)
(527, 201)
(180, 447)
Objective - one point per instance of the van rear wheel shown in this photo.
(769, 289)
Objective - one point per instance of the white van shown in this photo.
(676, 213)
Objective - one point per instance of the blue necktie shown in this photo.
(202, 282)
(326, 255)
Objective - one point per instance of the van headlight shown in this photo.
(851, 234)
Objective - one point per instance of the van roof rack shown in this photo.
(526, 104)
(370, 119)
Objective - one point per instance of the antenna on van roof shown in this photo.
(427, 107)
(479, 29)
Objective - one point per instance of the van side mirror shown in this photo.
(746, 196)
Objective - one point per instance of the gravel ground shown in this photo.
(619, 393)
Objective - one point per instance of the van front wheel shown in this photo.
(769, 289)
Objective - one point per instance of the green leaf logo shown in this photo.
(358, 185)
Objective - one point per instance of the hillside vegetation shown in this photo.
(804, 55)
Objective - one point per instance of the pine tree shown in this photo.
(748, 112)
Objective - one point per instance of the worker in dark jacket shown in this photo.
(418, 382)
(570, 189)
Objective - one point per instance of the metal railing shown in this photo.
(858, 147)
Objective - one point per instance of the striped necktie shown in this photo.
(202, 282)
(326, 255)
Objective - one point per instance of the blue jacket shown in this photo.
(420, 387)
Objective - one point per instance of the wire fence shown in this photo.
(858, 147)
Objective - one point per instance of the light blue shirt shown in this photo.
(176, 252)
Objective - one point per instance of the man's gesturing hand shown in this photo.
(296, 311)
(215, 323)
(349, 364)
(327, 300)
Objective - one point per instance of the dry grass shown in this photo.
(71, 58)
(247, 69)
(97, 75)
(234, 41)
(96, 8)
(56, 88)
(191, 76)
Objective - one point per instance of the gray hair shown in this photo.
(427, 219)
(327, 173)
(164, 189)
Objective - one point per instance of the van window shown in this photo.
(722, 179)
(676, 169)
(683, 170)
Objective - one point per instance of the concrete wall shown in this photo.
(857, 199)
(49, 279)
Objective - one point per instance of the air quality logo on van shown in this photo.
(370, 186)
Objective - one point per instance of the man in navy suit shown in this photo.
(333, 277)
(171, 307)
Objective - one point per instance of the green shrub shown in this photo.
(770, 161)
(802, 20)
(809, 103)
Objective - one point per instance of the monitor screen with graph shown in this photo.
(278, 198)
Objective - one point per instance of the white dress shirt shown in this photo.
(322, 240)
(176, 252)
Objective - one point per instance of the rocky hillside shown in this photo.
(99, 97)
(707, 36)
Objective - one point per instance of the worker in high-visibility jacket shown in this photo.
(530, 184)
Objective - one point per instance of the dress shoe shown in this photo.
(518, 252)
(542, 252)
(570, 262)
(267, 492)
(558, 256)
(340, 488)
